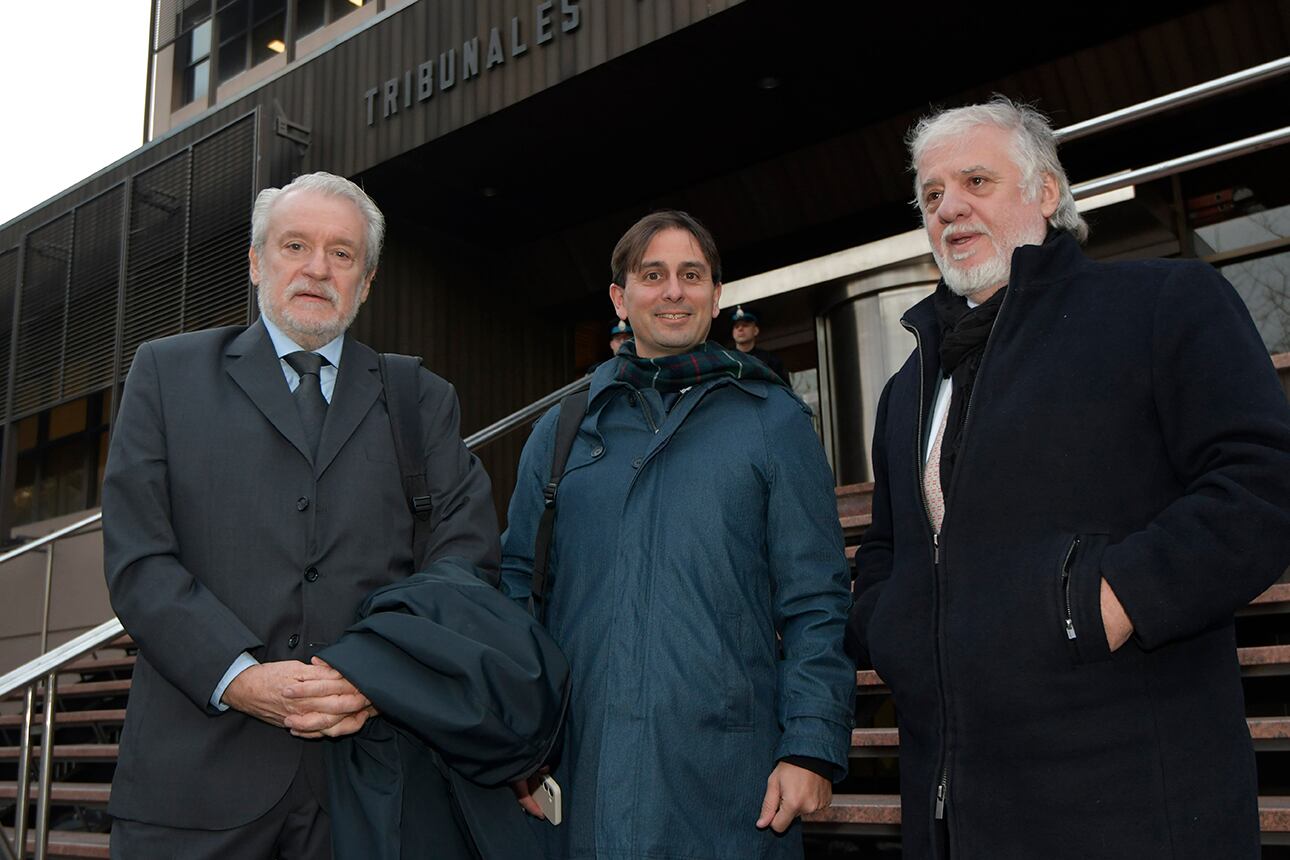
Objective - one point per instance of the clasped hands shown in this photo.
(312, 700)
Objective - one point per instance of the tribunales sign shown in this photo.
(440, 73)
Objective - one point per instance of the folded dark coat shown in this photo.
(471, 693)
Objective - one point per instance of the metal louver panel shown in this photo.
(154, 281)
(92, 295)
(220, 228)
(167, 16)
(47, 265)
(8, 287)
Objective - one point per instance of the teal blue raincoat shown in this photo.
(686, 545)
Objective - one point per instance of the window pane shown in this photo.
(232, 58)
(232, 21)
(65, 475)
(68, 419)
(340, 8)
(265, 9)
(24, 490)
(201, 42)
(194, 11)
(28, 428)
(196, 81)
(1264, 284)
(96, 496)
(266, 39)
(309, 16)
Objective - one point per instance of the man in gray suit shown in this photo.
(252, 499)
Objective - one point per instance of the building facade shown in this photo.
(510, 143)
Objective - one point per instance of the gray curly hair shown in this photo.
(1034, 149)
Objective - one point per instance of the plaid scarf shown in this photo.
(672, 373)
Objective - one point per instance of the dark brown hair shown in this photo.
(630, 249)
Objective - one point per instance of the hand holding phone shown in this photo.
(548, 800)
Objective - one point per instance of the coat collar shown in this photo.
(253, 364)
(1034, 267)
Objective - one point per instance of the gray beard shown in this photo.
(308, 334)
(994, 272)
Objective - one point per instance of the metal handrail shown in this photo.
(57, 658)
(1169, 101)
(39, 542)
(1254, 143)
(479, 439)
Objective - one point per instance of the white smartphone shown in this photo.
(548, 800)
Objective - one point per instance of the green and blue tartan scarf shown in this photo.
(672, 373)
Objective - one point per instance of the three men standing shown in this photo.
(695, 528)
(1082, 472)
(252, 499)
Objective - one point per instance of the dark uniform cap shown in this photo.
(620, 327)
(741, 315)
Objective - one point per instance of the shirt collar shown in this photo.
(284, 345)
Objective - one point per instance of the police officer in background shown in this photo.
(745, 331)
(619, 333)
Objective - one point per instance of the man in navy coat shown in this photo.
(252, 500)
(1081, 473)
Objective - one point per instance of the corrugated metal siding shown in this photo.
(46, 270)
(8, 291)
(437, 297)
(90, 342)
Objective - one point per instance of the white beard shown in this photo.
(994, 271)
(305, 331)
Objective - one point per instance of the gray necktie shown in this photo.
(308, 394)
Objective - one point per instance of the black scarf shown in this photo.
(671, 373)
(964, 332)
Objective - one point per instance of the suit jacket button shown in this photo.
(597, 451)
(294, 640)
(311, 575)
(302, 503)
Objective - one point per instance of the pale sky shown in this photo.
(72, 86)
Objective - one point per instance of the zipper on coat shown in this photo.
(1066, 586)
(943, 787)
(649, 419)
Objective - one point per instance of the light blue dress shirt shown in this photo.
(283, 345)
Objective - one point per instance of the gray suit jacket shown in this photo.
(221, 535)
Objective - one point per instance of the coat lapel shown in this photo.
(253, 364)
(358, 384)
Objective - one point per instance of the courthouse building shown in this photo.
(510, 143)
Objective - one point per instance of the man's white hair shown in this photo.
(1034, 150)
(335, 186)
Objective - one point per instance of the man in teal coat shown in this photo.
(697, 584)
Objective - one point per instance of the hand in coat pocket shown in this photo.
(1115, 621)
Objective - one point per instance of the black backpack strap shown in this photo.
(572, 410)
(401, 379)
